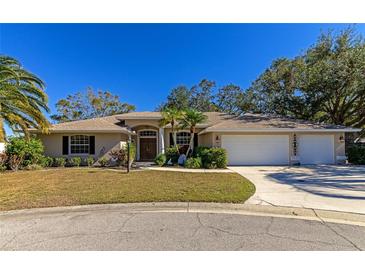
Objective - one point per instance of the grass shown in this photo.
(65, 187)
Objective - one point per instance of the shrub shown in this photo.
(90, 161)
(3, 160)
(193, 163)
(60, 162)
(198, 151)
(212, 157)
(160, 159)
(46, 161)
(30, 151)
(219, 157)
(103, 161)
(15, 162)
(173, 154)
(121, 155)
(75, 161)
(356, 154)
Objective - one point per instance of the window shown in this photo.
(147, 133)
(183, 138)
(80, 144)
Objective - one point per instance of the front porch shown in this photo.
(149, 141)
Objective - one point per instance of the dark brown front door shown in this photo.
(147, 149)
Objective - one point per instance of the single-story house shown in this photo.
(250, 139)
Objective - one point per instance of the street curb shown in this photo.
(195, 207)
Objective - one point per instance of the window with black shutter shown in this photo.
(64, 145)
(92, 145)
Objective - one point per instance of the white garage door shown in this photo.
(256, 149)
(316, 149)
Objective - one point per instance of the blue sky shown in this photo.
(142, 62)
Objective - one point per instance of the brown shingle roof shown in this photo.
(253, 122)
(103, 124)
(216, 121)
(140, 115)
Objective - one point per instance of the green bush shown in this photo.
(121, 155)
(356, 154)
(103, 161)
(193, 163)
(219, 156)
(75, 161)
(46, 161)
(30, 151)
(212, 157)
(15, 162)
(198, 151)
(160, 159)
(173, 154)
(3, 161)
(90, 161)
(60, 162)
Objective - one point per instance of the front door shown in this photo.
(147, 148)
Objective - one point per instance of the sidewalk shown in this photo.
(182, 169)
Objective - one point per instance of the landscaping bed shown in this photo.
(81, 186)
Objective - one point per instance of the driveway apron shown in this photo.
(339, 188)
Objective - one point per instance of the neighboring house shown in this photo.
(2, 147)
(249, 139)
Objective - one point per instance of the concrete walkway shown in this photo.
(339, 188)
(182, 169)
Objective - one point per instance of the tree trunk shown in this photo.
(2, 131)
(191, 143)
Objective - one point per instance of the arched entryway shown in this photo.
(147, 144)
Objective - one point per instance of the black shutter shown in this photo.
(92, 145)
(64, 145)
(171, 140)
(195, 140)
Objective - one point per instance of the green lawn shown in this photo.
(63, 187)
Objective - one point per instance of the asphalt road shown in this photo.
(115, 230)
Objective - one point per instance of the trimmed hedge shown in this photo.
(173, 154)
(193, 163)
(212, 157)
(160, 159)
(75, 161)
(356, 154)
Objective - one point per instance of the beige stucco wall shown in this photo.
(141, 122)
(104, 143)
(206, 140)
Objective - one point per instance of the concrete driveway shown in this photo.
(340, 188)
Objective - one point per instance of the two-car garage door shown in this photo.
(274, 149)
(256, 149)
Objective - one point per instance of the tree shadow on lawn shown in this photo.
(327, 181)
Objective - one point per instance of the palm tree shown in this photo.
(22, 98)
(189, 120)
(171, 116)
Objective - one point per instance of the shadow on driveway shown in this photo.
(346, 182)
